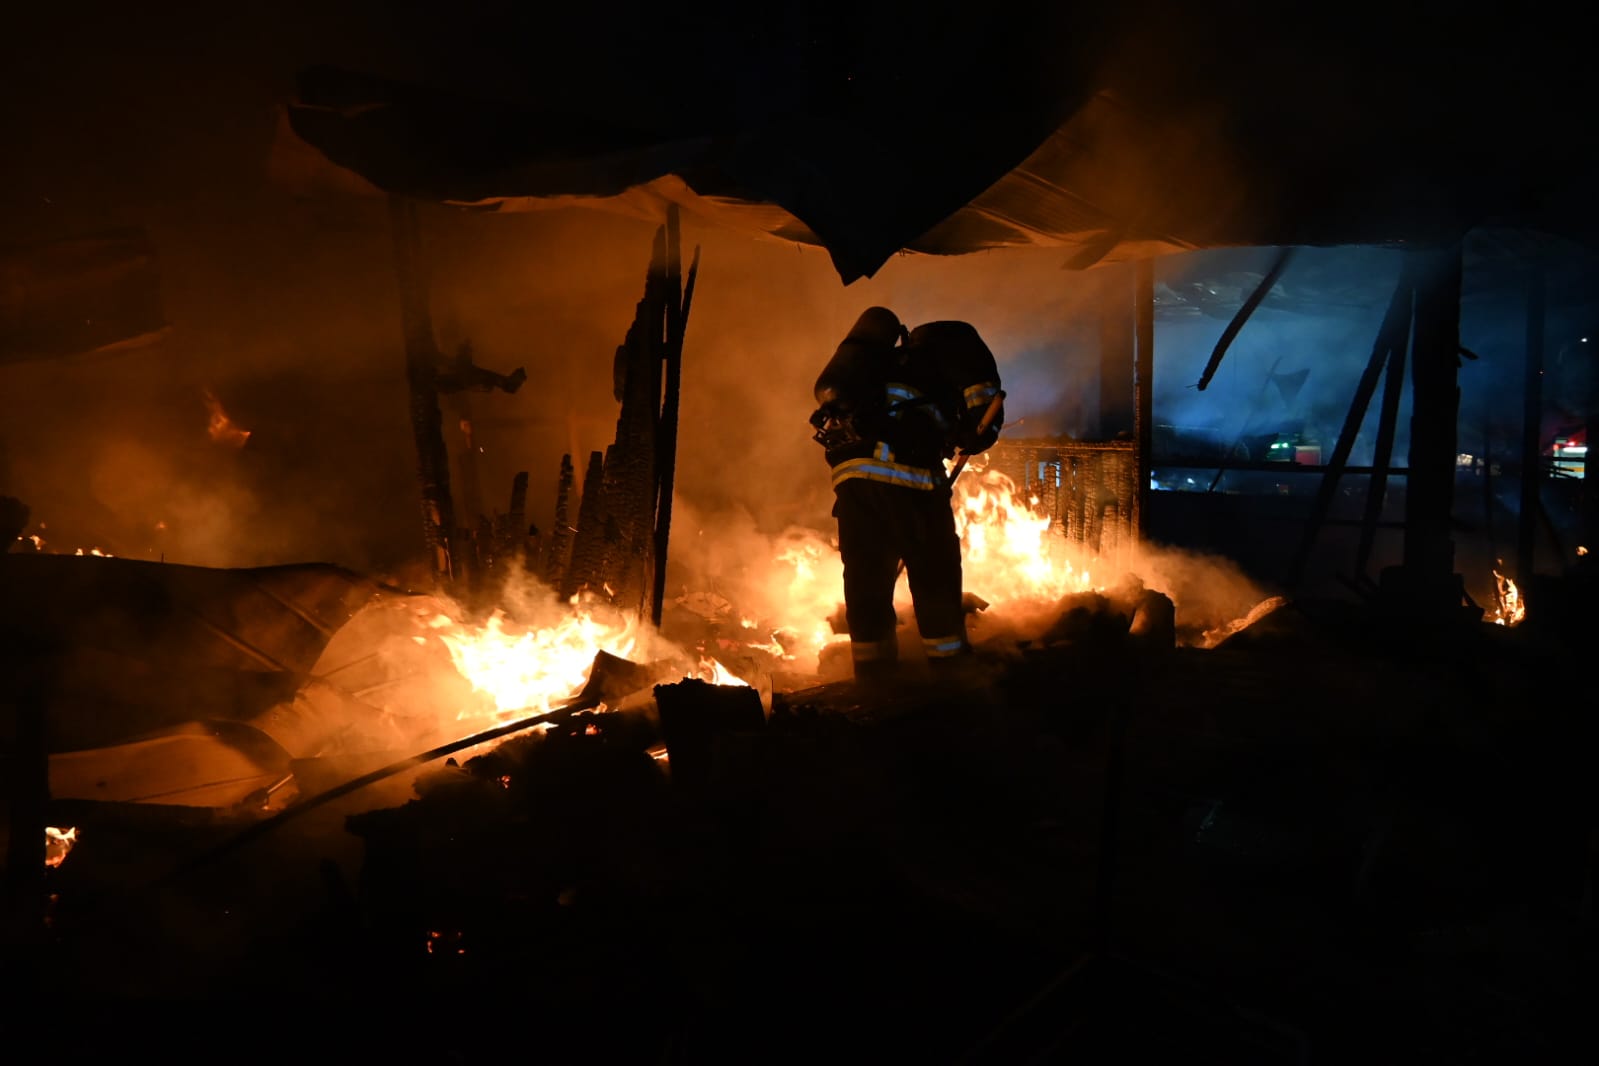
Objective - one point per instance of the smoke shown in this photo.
(284, 307)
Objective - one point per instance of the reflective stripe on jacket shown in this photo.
(980, 394)
(921, 422)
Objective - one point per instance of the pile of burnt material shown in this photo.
(1282, 845)
(719, 874)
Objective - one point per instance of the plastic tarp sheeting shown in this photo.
(1113, 132)
(134, 646)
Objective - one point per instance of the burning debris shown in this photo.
(1508, 609)
(58, 843)
(219, 426)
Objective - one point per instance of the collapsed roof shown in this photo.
(1111, 135)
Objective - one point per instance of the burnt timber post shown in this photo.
(1389, 345)
(1143, 392)
(560, 543)
(421, 366)
(1388, 420)
(1116, 351)
(624, 519)
(679, 298)
(1426, 582)
(586, 547)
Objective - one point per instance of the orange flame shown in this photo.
(1511, 610)
(717, 674)
(529, 670)
(219, 427)
(57, 843)
(1011, 552)
(526, 671)
(803, 588)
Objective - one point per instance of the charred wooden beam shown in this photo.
(679, 298)
(613, 555)
(421, 363)
(1116, 350)
(471, 483)
(560, 541)
(1229, 334)
(1390, 335)
(585, 569)
(1393, 389)
(512, 541)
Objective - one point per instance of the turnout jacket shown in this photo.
(906, 441)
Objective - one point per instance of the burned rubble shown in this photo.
(517, 799)
(1301, 837)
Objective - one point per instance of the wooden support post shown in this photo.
(472, 552)
(1398, 340)
(1116, 350)
(679, 297)
(560, 540)
(1389, 339)
(1429, 552)
(583, 569)
(514, 547)
(421, 363)
(1143, 391)
(1531, 430)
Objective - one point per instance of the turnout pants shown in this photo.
(879, 526)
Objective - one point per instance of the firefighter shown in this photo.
(892, 406)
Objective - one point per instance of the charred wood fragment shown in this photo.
(421, 362)
(679, 296)
(614, 549)
(696, 719)
(461, 374)
(586, 569)
(513, 549)
(560, 542)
